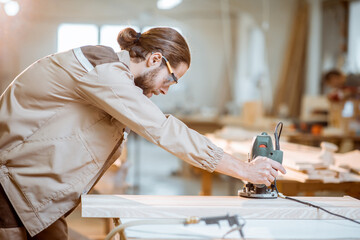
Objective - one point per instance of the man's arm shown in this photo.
(110, 87)
(113, 90)
(261, 170)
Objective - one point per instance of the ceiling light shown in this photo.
(11, 8)
(167, 4)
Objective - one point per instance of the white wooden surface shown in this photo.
(265, 219)
(144, 206)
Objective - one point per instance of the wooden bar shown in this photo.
(141, 206)
(264, 219)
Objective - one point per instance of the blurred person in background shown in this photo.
(339, 86)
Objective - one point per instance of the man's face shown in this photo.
(146, 82)
(156, 81)
(336, 81)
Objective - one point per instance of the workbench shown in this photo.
(265, 218)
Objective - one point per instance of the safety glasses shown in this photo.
(173, 79)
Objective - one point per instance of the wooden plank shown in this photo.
(294, 175)
(303, 163)
(350, 160)
(140, 206)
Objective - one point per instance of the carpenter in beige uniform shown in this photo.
(63, 122)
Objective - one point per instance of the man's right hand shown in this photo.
(263, 170)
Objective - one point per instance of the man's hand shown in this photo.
(263, 170)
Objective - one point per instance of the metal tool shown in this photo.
(232, 220)
(262, 146)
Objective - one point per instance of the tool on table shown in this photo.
(262, 146)
(232, 220)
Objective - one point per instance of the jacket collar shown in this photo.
(124, 57)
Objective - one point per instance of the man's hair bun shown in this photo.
(127, 37)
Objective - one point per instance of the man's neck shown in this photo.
(137, 68)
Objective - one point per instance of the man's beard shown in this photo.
(146, 81)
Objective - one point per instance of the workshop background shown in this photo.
(254, 63)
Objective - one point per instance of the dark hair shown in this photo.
(165, 40)
(332, 73)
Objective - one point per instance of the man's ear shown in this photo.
(154, 60)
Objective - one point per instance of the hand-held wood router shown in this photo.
(262, 146)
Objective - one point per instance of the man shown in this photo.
(63, 120)
(340, 87)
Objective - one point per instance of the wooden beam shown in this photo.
(141, 206)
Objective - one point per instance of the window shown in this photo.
(354, 39)
(76, 35)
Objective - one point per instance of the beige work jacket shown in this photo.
(62, 122)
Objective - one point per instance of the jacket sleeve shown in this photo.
(111, 88)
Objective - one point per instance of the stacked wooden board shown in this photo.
(303, 162)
